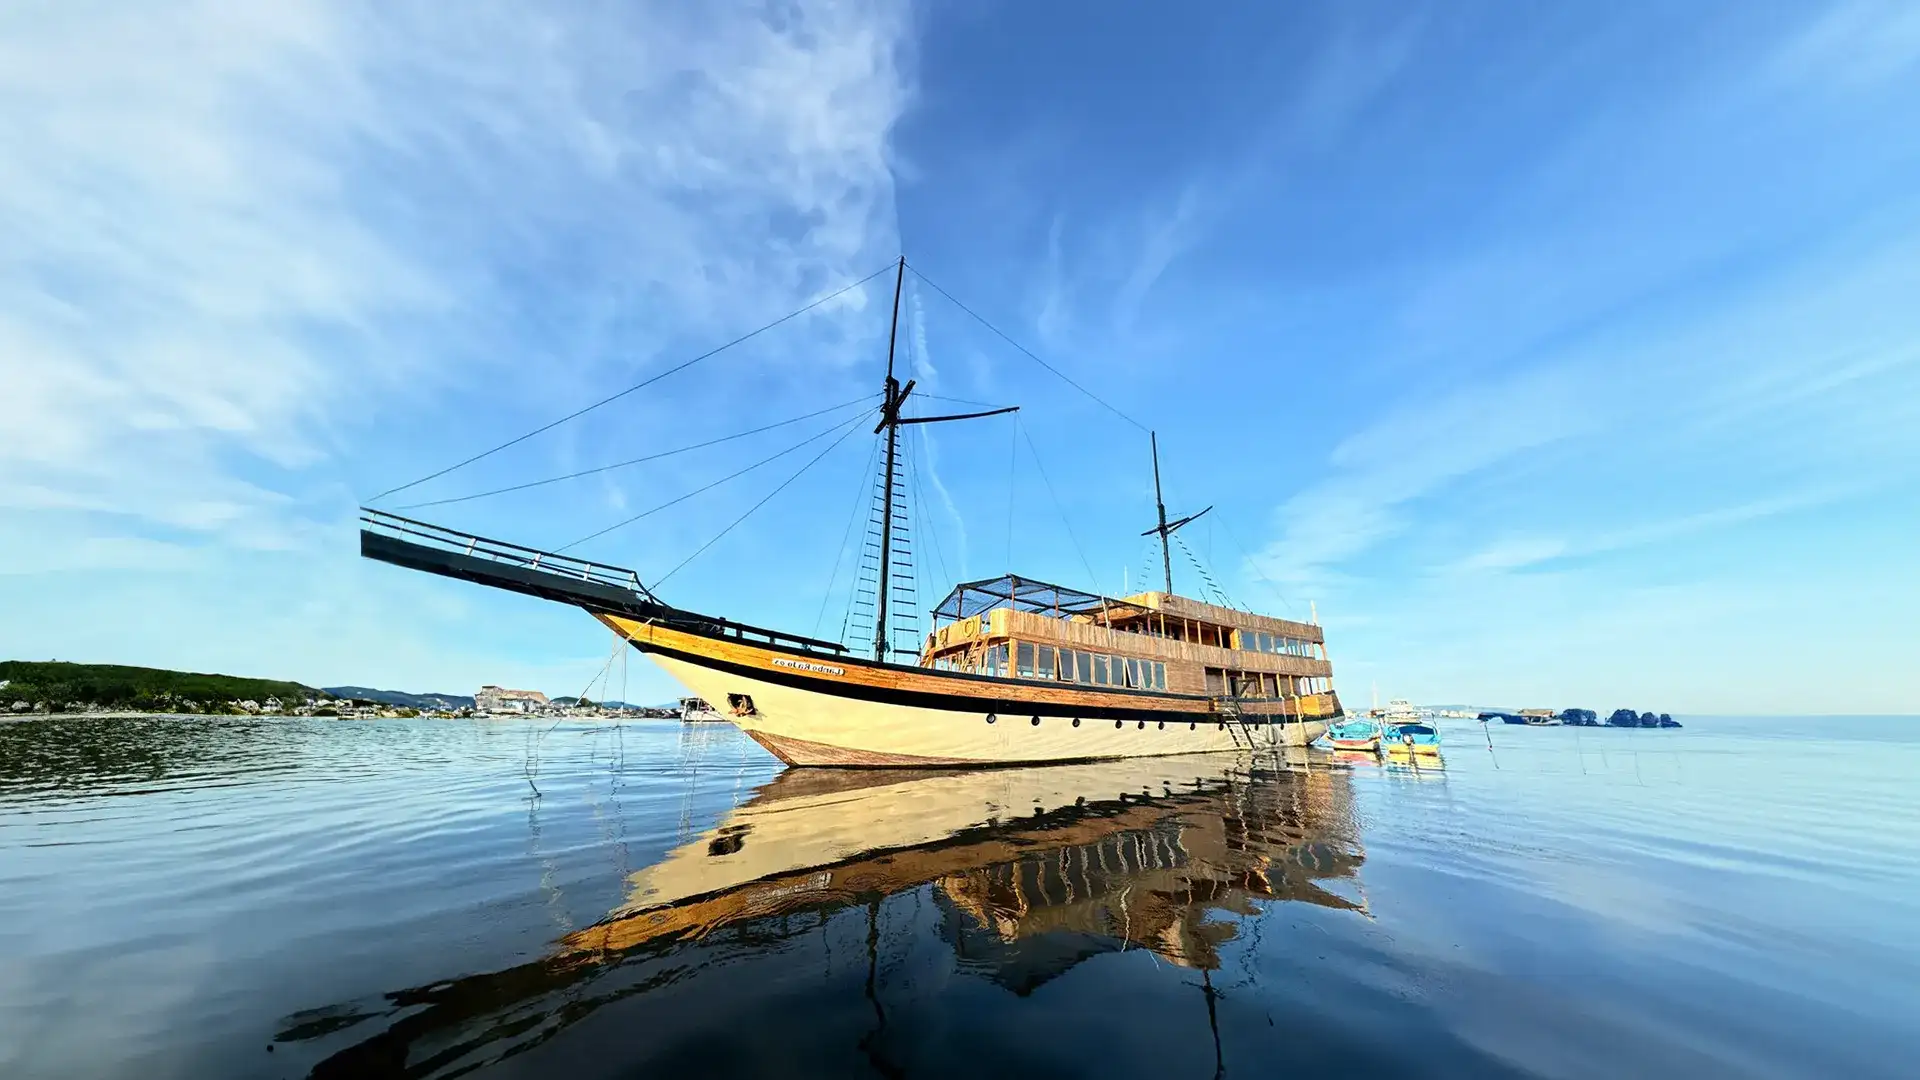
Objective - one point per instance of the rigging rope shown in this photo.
(649, 381)
(1292, 606)
(1092, 578)
(956, 400)
(1013, 461)
(872, 503)
(769, 495)
(638, 460)
(848, 424)
(1102, 402)
(841, 553)
(1206, 578)
(920, 502)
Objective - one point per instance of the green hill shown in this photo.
(56, 683)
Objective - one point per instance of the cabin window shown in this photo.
(1133, 673)
(1099, 670)
(996, 660)
(1159, 675)
(1216, 681)
(1044, 665)
(1024, 661)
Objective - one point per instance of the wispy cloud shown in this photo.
(1522, 551)
(1852, 45)
(253, 250)
(1165, 236)
(240, 223)
(1412, 450)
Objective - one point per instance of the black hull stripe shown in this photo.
(1005, 708)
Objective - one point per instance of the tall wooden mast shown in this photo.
(890, 422)
(1165, 528)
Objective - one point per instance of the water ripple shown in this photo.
(392, 898)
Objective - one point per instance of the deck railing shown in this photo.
(553, 576)
(500, 551)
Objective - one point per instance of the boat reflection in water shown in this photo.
(1032, 872)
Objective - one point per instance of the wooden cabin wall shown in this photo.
(1024, 626)
(1186, 678)
(1188, 608)
(1190, 658)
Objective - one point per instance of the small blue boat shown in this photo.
(1354, 735)
(1412, 736)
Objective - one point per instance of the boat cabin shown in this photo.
(1155, 641)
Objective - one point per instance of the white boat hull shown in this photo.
(802, 726)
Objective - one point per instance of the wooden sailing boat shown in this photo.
(1015, 671)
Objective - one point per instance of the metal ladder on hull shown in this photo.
(1228, 709)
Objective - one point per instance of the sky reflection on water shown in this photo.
(192, 897)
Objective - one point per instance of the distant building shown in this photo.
(499, 699)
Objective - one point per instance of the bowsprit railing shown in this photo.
(429, 535)
(434, 549)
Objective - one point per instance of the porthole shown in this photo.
(1163, 725)
(1076, 721)
(1118, 724)
(1191, 724)
(991, 718)
(1143, 725)
(1036, 721)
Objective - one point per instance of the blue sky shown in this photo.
(1558, 356)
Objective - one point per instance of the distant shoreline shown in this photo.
(134, 714)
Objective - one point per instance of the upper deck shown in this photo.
(1154, 640)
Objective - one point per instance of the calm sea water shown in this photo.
(282, 898)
